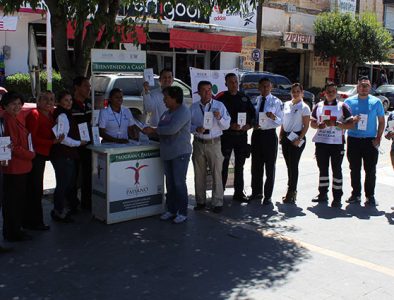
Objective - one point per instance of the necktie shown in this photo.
(263, 99)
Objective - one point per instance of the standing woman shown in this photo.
(64, 156)
(175, 149)
(16, 172)
(39, 122)
(296, 116)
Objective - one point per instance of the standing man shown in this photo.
(209, 119)
(82, 111)
(363, 140)
(269, 114)
(154, 105)
(330, 117)
(236, 136)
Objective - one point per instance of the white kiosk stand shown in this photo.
(127, 182)
(127, 179)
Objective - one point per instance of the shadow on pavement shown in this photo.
(363, 212)
(147, 259)
(324, 211)
(390, 217)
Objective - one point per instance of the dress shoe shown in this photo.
(320, 198)
(255, 197)
(290, 198)
(200, 206)
(19, 237)
(217, 209)
(5, 249)
(353, 199)
(336, 203)
(38, 227)
(267, 201)
(370, 202)
(61, 219)
(240, 197)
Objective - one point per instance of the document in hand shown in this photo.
(293, 136)
(208, 120)
(391, 126)
(5, 149)
(96, 135)
(84, 132)
(241, 119)
(262, 118)
(149, 77)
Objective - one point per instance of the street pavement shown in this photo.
(303, 251)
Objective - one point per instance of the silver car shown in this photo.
(131, 85)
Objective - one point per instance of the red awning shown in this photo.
(126, 38)
(204, 41)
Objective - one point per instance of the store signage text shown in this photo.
(177, 12)
(299, 38)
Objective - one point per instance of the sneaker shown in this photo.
(320, 198)
(370, 202)
(167, 216)
(353, 199)
(179, 219)
(61, 218)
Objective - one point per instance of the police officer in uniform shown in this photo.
(236, 138)
(330, 117)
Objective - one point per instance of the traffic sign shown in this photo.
(256, 55)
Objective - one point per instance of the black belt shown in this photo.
(234, 132)
(207, 141)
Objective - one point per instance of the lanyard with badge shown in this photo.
(118, 122)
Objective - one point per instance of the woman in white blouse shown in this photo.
(64, 156)
(295, 124)
(116, 122)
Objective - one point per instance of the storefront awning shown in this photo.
(126, 37)
(204, 41)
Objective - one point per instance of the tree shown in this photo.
(101, 15)
(352, 39)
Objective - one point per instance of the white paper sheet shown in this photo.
(5, 150)
(241, 119)
(30, 142)
(149, 76)
(292, 136)
(208, 120)
(84, 132)
(96, 135)
(262, 118)
(362, 124)
(391, 126)
(95, 117)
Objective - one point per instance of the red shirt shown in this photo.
(40, 127)
(21, 157)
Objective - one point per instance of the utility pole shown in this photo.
(259, 21)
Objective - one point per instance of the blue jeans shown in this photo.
(175, 171)
(65, 178)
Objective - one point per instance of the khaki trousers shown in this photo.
(211, 155)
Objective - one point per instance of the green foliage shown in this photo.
(21, 83)
(351, 39)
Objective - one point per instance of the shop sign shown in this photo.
(347, 6)
(8, 23)
(256, 55)
(110, 61)
(236, 19)
(179, 11)
(293, 37)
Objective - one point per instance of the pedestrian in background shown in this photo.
(364, 140)
(15, 174)
(154, 105)
(295, 125)
(236, 137)
(39, 122)
(269, 114)
(175, 150)
(64, 156)
(389, 134)
(330, 117)
(207, 145)
(82, 112)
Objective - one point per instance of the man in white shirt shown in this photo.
(209, 119)
(154, 105)
(269, 114)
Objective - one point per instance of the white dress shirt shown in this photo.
(197, 111)
(154, 105)
(274, 105)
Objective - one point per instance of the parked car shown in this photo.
(131, 85)
(387, 91)
(347, 90)
(281, 86)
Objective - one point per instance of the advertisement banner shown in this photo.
(136, 180)
(216, 77)
(8, 23)
(239, 20)
(115, 61)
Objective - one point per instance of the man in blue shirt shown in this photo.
(363, 140)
